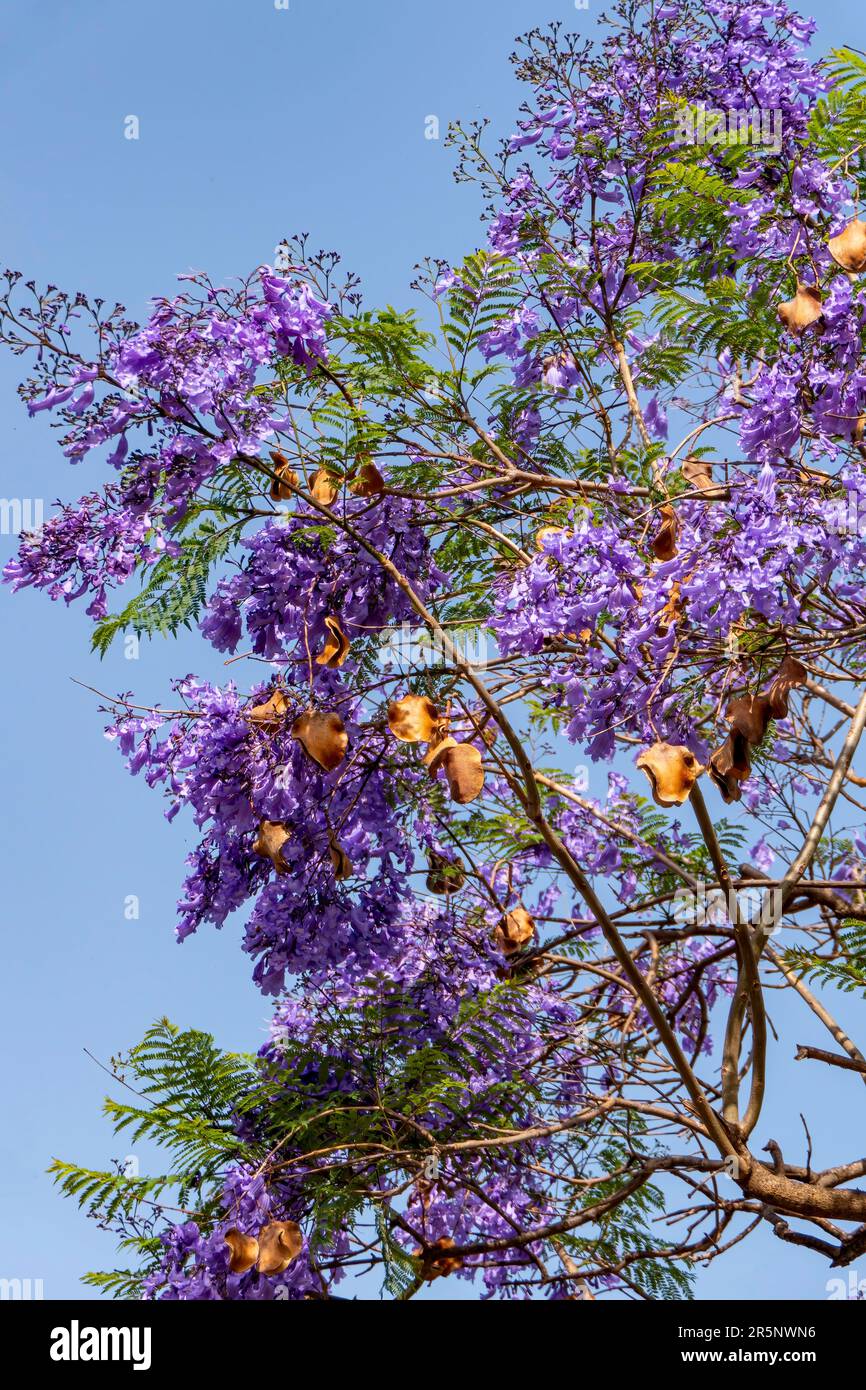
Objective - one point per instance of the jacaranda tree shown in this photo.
(543, 611)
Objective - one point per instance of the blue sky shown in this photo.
(254, 123)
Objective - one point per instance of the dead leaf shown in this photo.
(336, 647)
(414, 719)
(269, 843)
(284, 475)
(463, 768)
(244, 1250)
(803, 310)
(848, 249)
(516, 929)
(672, 770)
(324, 488)
(665, 541)
(445, 875)
(270, 715)
(323, 736)
(340, 859)
(280, 1242)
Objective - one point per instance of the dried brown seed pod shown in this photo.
(848, 249)
(749, 716)
(435, 1260)
(673, 609)
(368, 481)
(323, 736)
(280, 1242)
(444, 875)
(438, 744)
(269, 844)
(790, 674)
(803, 310)
(336, 647)
(515, 931)
(699, 473)
(665, 540)
(270, 715)
(285, 479)
(414, 719)
(672, 770)
(462, 765)
(324, 487)
(244, 1250)
(340, 860)
(730, 765)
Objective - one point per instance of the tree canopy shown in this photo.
(542, 603)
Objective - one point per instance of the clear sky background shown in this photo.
(254, 123)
